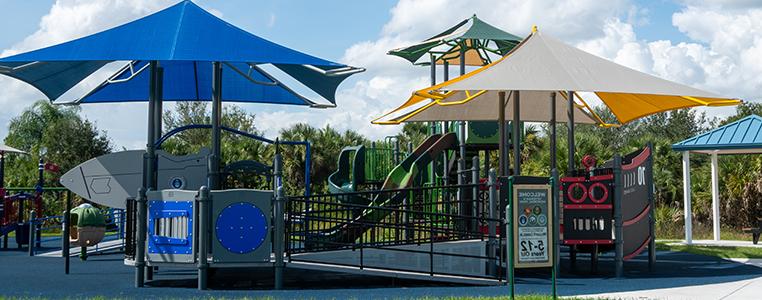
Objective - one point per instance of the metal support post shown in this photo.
(501, 128)
(32, 217)
(66, 233)
(140, 247)
(203, 238)
(280, 224)
(214, 159)
(516, 136)
(570, 136)
(554, 188)
(618, 242)
(475, 193)
(492, 227)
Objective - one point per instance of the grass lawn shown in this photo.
(723, 252)
(521, 297)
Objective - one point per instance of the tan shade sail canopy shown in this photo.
(543, 63)
(535, 107)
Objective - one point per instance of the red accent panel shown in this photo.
(573, 179)
(638, 217)
(638, 160)
(587, 206)
(588, 242)
(640, 249)
(602, 177)
(570, 195)
(605, 192)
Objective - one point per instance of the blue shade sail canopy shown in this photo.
(183, 38)
(739, 137)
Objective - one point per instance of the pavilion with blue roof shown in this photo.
(740, 137)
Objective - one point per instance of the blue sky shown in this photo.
(651, 36)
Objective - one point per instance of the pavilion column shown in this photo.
(715, 197)
(687, 196)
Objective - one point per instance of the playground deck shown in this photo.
(681, 274)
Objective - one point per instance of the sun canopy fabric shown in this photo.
(535, 107)
(190, 81)
(543, 63)
(178, 37)
(742, 136)
(473, 34)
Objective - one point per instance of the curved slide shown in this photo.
(350, 172)
(402, 176)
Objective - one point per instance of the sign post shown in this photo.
(530, 225)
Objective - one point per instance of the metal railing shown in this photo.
(396, 218)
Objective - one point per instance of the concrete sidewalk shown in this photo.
(742, 288)
(720, 243)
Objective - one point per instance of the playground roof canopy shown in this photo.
(535, 107)
(185, 39)
(543, 63)
(472, 33)
(740, 137)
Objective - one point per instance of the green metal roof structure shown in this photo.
(739, 137)
(474, 36)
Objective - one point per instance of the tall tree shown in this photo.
(56, 132)
(234, 147)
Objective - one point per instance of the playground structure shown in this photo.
(87, 227)
(110, 179)
(608, 205)
(434, 216)
(14, 216)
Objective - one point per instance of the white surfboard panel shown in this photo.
(109, 179)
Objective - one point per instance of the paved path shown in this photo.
(677, 276)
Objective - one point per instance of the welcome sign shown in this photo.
(533, 225)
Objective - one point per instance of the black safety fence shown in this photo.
(416, 221)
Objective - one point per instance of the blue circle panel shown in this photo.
(241, 227)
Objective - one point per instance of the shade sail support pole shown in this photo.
(214, 159)
(687, 212)
(501, 129)
(158, 108)
(570, 136)
(149, 175)
(516, 136)
(462, 149)
(715, 197)
(554, 190)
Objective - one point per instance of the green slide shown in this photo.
(402, 176)
(350, 173)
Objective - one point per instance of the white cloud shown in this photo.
(271, 20)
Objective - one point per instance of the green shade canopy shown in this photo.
(473, 35)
